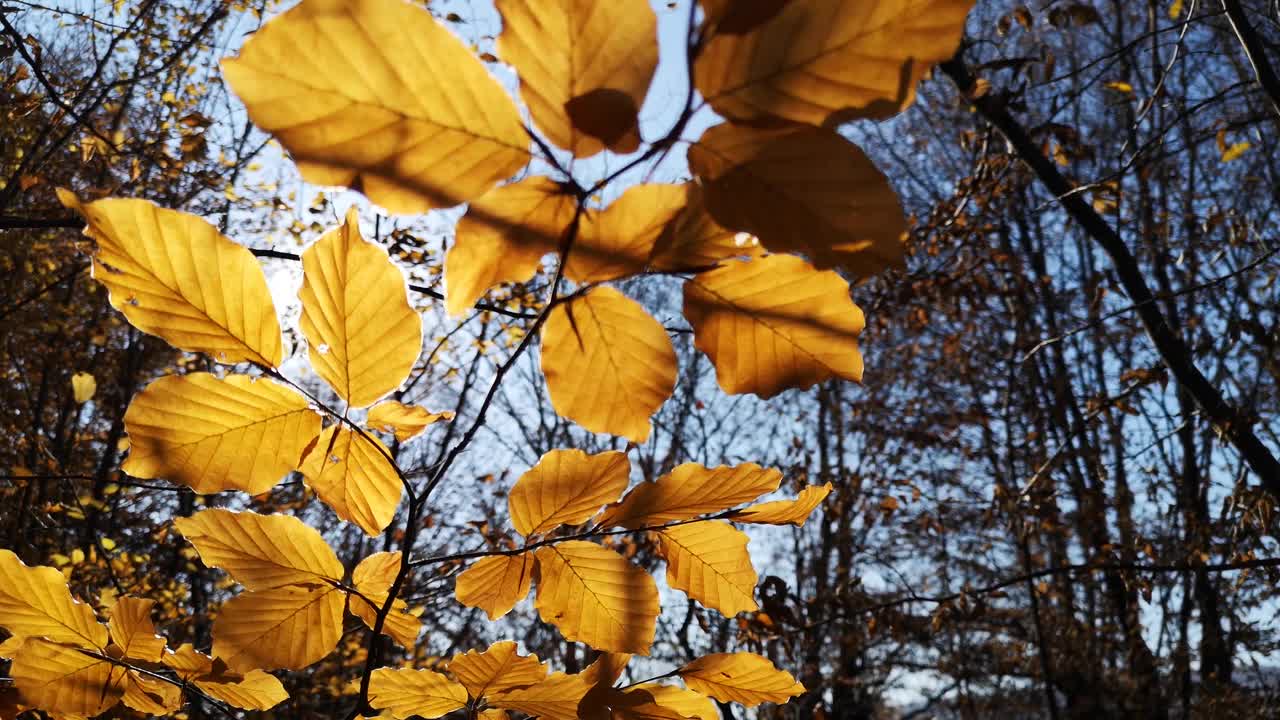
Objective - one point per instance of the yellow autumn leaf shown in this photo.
(407, 693)
(287, 627)
(83, 386)
(495, 583)
(804, 190)
(816, 62)
(688, 491)
(584, 68)
(254, 690)
(774, 323)
(372, 579)
(741, 677)
(1119, 86)
(786, 512)
(133, 631)
(150, 696)
(328, 79)
(350, 472)
(685, 702)
(261, 551)
(596, 596)
(174, 275)
(1235, 151)
(213, 434)
(710, 563)
(406, 421)
(566, 487)
(555, 698)
(503, 237)
(36, 602)
(610, 339)
(632, 704)
(497, 669)
(362, 335)
(617, 241)
(694, 240)
(62, 679)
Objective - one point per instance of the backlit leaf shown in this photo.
(709, 562)
(284, 627)
(150, 696)
(565, 488)
(786, 512)
(406, 421)
(372, 579)
(693, 239)
(555, 698)
(496, 670)
(350, 472)
(617, 242)
(213, 434)
(495, 583)
(503, 237)
(405, 693)
(584, 68)
(261, 551)
(596, 596)
(83, 386)
(805, 190)
(816, 61)
(362, 335)
(36, 602)
(773, 324)
(610, 339)
(688, 491)
(740, 677)
(174, 275)
(332, 81)
(132, 629)
(254, 690)
(63, 679)
(686, 702)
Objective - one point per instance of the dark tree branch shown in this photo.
(1254, 51)
(1172, 349)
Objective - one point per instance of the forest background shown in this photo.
(1030, 516)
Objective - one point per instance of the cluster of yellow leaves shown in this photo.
(501, 678)
(65, 660)
(597, 596)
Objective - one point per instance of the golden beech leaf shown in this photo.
(801, 190)
(406, 421)
(610, 339)
(785, 512)
(498, 669)
(806, 190)
(735, 17)
(372, 579)
(584, 68)
(213, 434)
(174, 275)
(36, 602)
(493, 714)
(555, 698)
(254, 690)
(685, 702)
(606, 668)
(63, 679)
(285, 627)
(328, 80)
(617, 241)
(496, 583)
(709, 562)
(596, 596)
(350, 472)
(150, 696)
(83, 386)
(363, 337)
(740, 677)
(816, 62)
(132, 630)
(694, 240)
(261, 551)
(688, 491)
(407, 693)
(503, 237)
(631, 704)
(566, 487)
(773, 324)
